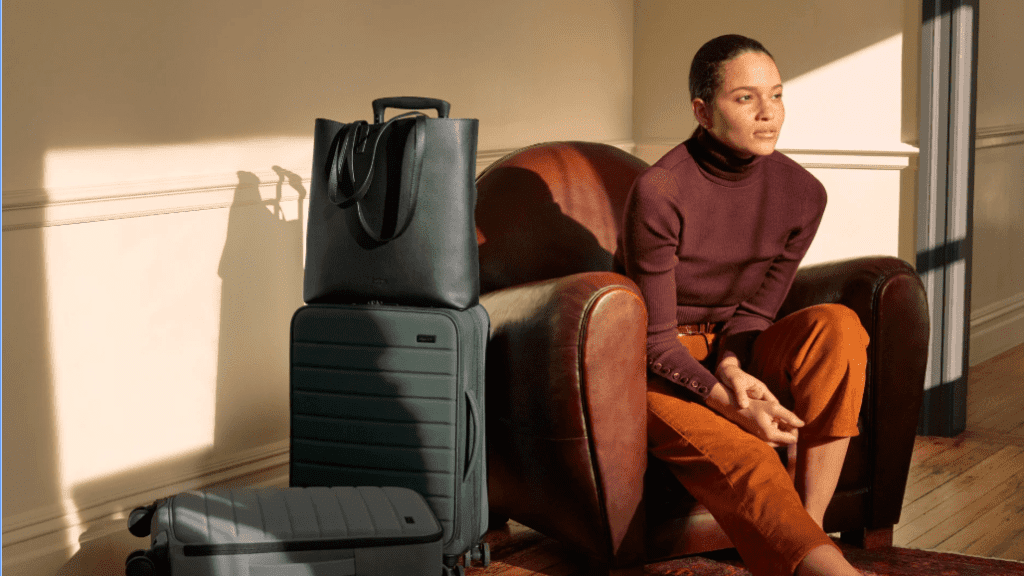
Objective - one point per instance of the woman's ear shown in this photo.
(702, 112)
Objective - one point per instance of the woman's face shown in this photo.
(747, 112)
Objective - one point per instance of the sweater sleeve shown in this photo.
(651, 234)
(757, 313)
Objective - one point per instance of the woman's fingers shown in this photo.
(742, 394)
(779, 437)
(747, 387)
(775, 432)
(784, 417)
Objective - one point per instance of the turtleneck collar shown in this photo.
(718, 159)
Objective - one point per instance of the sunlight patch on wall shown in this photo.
(133, 336)
(852, 103)
(165, 305)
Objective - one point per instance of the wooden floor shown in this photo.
(966, 494)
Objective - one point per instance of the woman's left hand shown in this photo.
(743, 385)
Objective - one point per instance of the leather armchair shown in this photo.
(566, 369)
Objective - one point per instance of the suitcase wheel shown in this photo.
(481, 552)
(140, 520)
(485, 554)
(138, 563)
(456, 570)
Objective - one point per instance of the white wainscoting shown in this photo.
(998, 326)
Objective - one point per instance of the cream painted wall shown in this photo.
(155, 168)
(842, 90)
(997, 291)
(850, 90)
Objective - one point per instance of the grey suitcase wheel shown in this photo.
(481, 552)
(140, 521)
(139, 564)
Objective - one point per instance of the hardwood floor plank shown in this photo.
(993, 386)
(966, 485)
(964, 502)
(995, 437)
(1002, 419)
(927, 446)
(1015, 551)
(946, 493)
(960, 454)
(996, 529)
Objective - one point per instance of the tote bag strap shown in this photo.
(411, 189)
(342, 154)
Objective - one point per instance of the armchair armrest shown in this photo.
(888, 296)
(566, 410)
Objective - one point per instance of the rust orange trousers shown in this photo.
(814, 362)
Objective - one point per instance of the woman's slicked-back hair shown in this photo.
(706, 68)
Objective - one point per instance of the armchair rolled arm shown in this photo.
(566, 410)
(888, 296)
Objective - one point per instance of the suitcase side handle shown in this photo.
(474, 432)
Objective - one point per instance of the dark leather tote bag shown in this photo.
(391, 215)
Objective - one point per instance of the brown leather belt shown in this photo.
(703, 328)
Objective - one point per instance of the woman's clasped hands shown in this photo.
(747, 401)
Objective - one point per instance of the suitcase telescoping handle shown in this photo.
(473, 434)
(409, 103)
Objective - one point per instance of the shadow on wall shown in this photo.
(261, 273)
(261, 270)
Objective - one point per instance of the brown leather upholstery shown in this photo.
(551, 210)
(566, 372)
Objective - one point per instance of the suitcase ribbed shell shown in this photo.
(393, 396)
(224, 521)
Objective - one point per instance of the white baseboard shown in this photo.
(38, 542)
(997, 328)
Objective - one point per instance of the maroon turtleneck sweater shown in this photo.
(711, 237)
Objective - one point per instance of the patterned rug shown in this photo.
(519, 551)
(878, 562)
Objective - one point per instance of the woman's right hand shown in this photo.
(767, 419)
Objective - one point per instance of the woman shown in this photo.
(713, 235)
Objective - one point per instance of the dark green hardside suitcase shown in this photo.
(393, 396)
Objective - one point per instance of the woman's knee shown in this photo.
(839, 324)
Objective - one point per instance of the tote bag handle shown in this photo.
(411, 192)
(342, 154)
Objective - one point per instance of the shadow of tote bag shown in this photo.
(391, 215)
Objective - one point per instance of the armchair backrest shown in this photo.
(551, 210)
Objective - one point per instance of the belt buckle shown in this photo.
(694, 329)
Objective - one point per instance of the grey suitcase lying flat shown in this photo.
(393, 396)
(365, 531)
